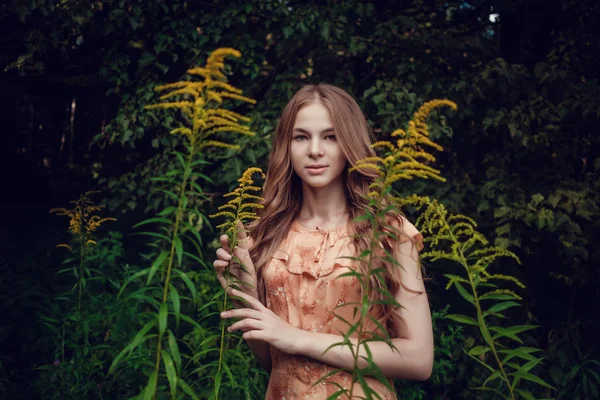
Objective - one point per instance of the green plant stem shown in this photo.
(373, 245)
(171, 256)
(480, 318)
(225, 296)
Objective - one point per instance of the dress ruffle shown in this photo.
(333, 247)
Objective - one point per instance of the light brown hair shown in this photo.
(282, 190)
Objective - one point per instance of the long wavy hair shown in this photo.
(282, 190)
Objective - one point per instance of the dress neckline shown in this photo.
(298, 227)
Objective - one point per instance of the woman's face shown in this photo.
(316, 154)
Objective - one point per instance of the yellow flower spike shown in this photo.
(211, 95)
(168, 86)
(383, 143)
(399, 132)
(215, 143)
(177, 104)
(242, 203)
(236, 97)
(200, 103)
(185, 91)
(82, 221)
(65, 246)
(184, 130)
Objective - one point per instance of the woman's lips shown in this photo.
(316, 170)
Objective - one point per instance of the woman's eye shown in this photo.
(299, 137)
(330, 137)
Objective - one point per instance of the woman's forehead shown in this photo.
(314, 116)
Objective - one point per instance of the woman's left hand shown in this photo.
(260, 323)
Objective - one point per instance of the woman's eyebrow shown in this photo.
(300, 130)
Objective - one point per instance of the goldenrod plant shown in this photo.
(72, 318)
(205, 123)
(82, 224)
(405, 158)
(236, 211)
(455, 238)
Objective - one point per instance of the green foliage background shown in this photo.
(520, 154)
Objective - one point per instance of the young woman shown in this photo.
(296, 250)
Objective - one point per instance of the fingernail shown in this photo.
(223, 314)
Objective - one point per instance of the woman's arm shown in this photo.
(414, 343)
(413, 358)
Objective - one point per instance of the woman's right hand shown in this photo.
(247, 278)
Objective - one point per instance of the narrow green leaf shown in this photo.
(174, 294)
(174, 347)
(178, 249)
(133, 278)
(170, 194)
(150, 388)
(462, 319)
(498, 296)
(532, 378)
(180, 158)
(139, 339)
(493, 376)
(525, 394)
(157, 263)
(171, 373)
(152, 234)
(154, 220)
(463, 292)
(188, 282)
(478, 350)
(188, 390)
(501, 307)
(167, 211)
(162, 318)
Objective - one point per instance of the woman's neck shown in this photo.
(324, 207)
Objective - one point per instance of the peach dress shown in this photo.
(302, 289)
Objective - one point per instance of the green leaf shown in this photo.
(181, 159)
(500, 307)
(188, 390)
(462, 319)
(167, 211)
(139, 339)
(531, 378)
(188, 282)
(133, 278)
(157, 263)
(178, 249)
(154, 220)
(463, 292)
(150, 388)
(174, 347)
(162, 318)
(171, 373)
(174, 294)
(497, 296)
(478, 350)
(511, 332)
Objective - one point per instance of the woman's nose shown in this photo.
(315, 149)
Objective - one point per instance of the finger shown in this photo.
(246, 324)
(242, 313)
(223, 255)
(242, 238)
(220, 264)
(252, 302)
(224, 239)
